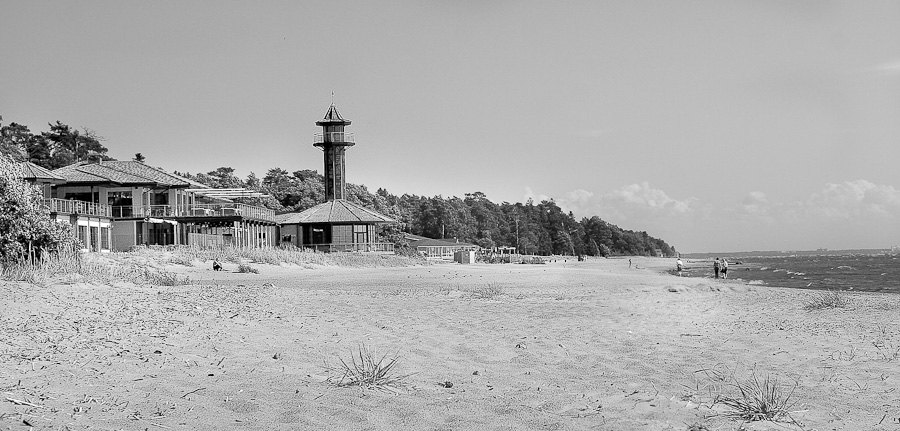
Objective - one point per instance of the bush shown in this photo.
(26, 229)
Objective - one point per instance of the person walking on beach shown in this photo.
(679, 266)
(724, 268)
(716, 267)
(629, 263)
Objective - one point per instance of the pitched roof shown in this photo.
(333, 117)
(139, 169)
(32, 171)
(336, 211)
(120, 172)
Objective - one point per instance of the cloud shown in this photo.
(641, 199)
(892, 68)
(529, 194)
(853, 200)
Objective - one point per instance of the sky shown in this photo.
(714, 125)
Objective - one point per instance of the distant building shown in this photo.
(441, 249)
(337, 224)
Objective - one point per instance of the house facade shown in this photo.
(130, 203)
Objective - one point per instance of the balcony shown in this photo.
(375, 247)
(320, 138)
(64, 206)
(196, 210)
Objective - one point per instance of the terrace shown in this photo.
(375, 247)
(195, 210)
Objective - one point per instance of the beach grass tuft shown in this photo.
(247, 269)
(367, 370)
(755, 399)
(827, 300)
(489, 291)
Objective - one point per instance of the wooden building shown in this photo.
(337, 224)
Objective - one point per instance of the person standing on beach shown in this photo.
(629, 263)
(679, 266)
(716, 267)
(724, 268)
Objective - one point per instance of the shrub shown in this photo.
(26, 229)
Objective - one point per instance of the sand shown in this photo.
(566, 345)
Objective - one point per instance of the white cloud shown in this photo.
(641, 199)
(853, 200)
(891, 68)
(529, 194)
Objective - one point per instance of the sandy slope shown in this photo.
(590, 345)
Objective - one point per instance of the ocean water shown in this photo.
(855, 272)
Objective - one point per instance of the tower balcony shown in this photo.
(321, 138)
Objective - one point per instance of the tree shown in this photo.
(25, 223)
(68, 145)
(138, 157)
(14, 141)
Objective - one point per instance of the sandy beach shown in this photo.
(562, 346)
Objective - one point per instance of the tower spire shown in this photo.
(334, 142)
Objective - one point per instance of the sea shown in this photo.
(868, 272)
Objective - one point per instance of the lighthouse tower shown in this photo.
(334, 142)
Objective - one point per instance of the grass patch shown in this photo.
(750, 399)
(75, 266)
(490, 291)
(827, 300)
(367, 370)
(247, 269)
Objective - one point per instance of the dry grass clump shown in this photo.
(827, 300)
(244, 268)
(365, 369)
(751, 399)
(490, 291)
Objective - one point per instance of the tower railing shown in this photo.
(320, 138)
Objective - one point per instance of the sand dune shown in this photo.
(575, 345)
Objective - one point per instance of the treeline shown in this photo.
(533, 228)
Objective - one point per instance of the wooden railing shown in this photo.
(69, 206)
(196, 210)
(375, 247)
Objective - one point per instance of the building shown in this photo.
(92, 222)
(134, 204)
(337, 224)
(440, 249)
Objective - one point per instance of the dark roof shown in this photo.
(120, 172)
(139, 169)
(332, 117)
(34, 172)
(336, 211)
(428, 242)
